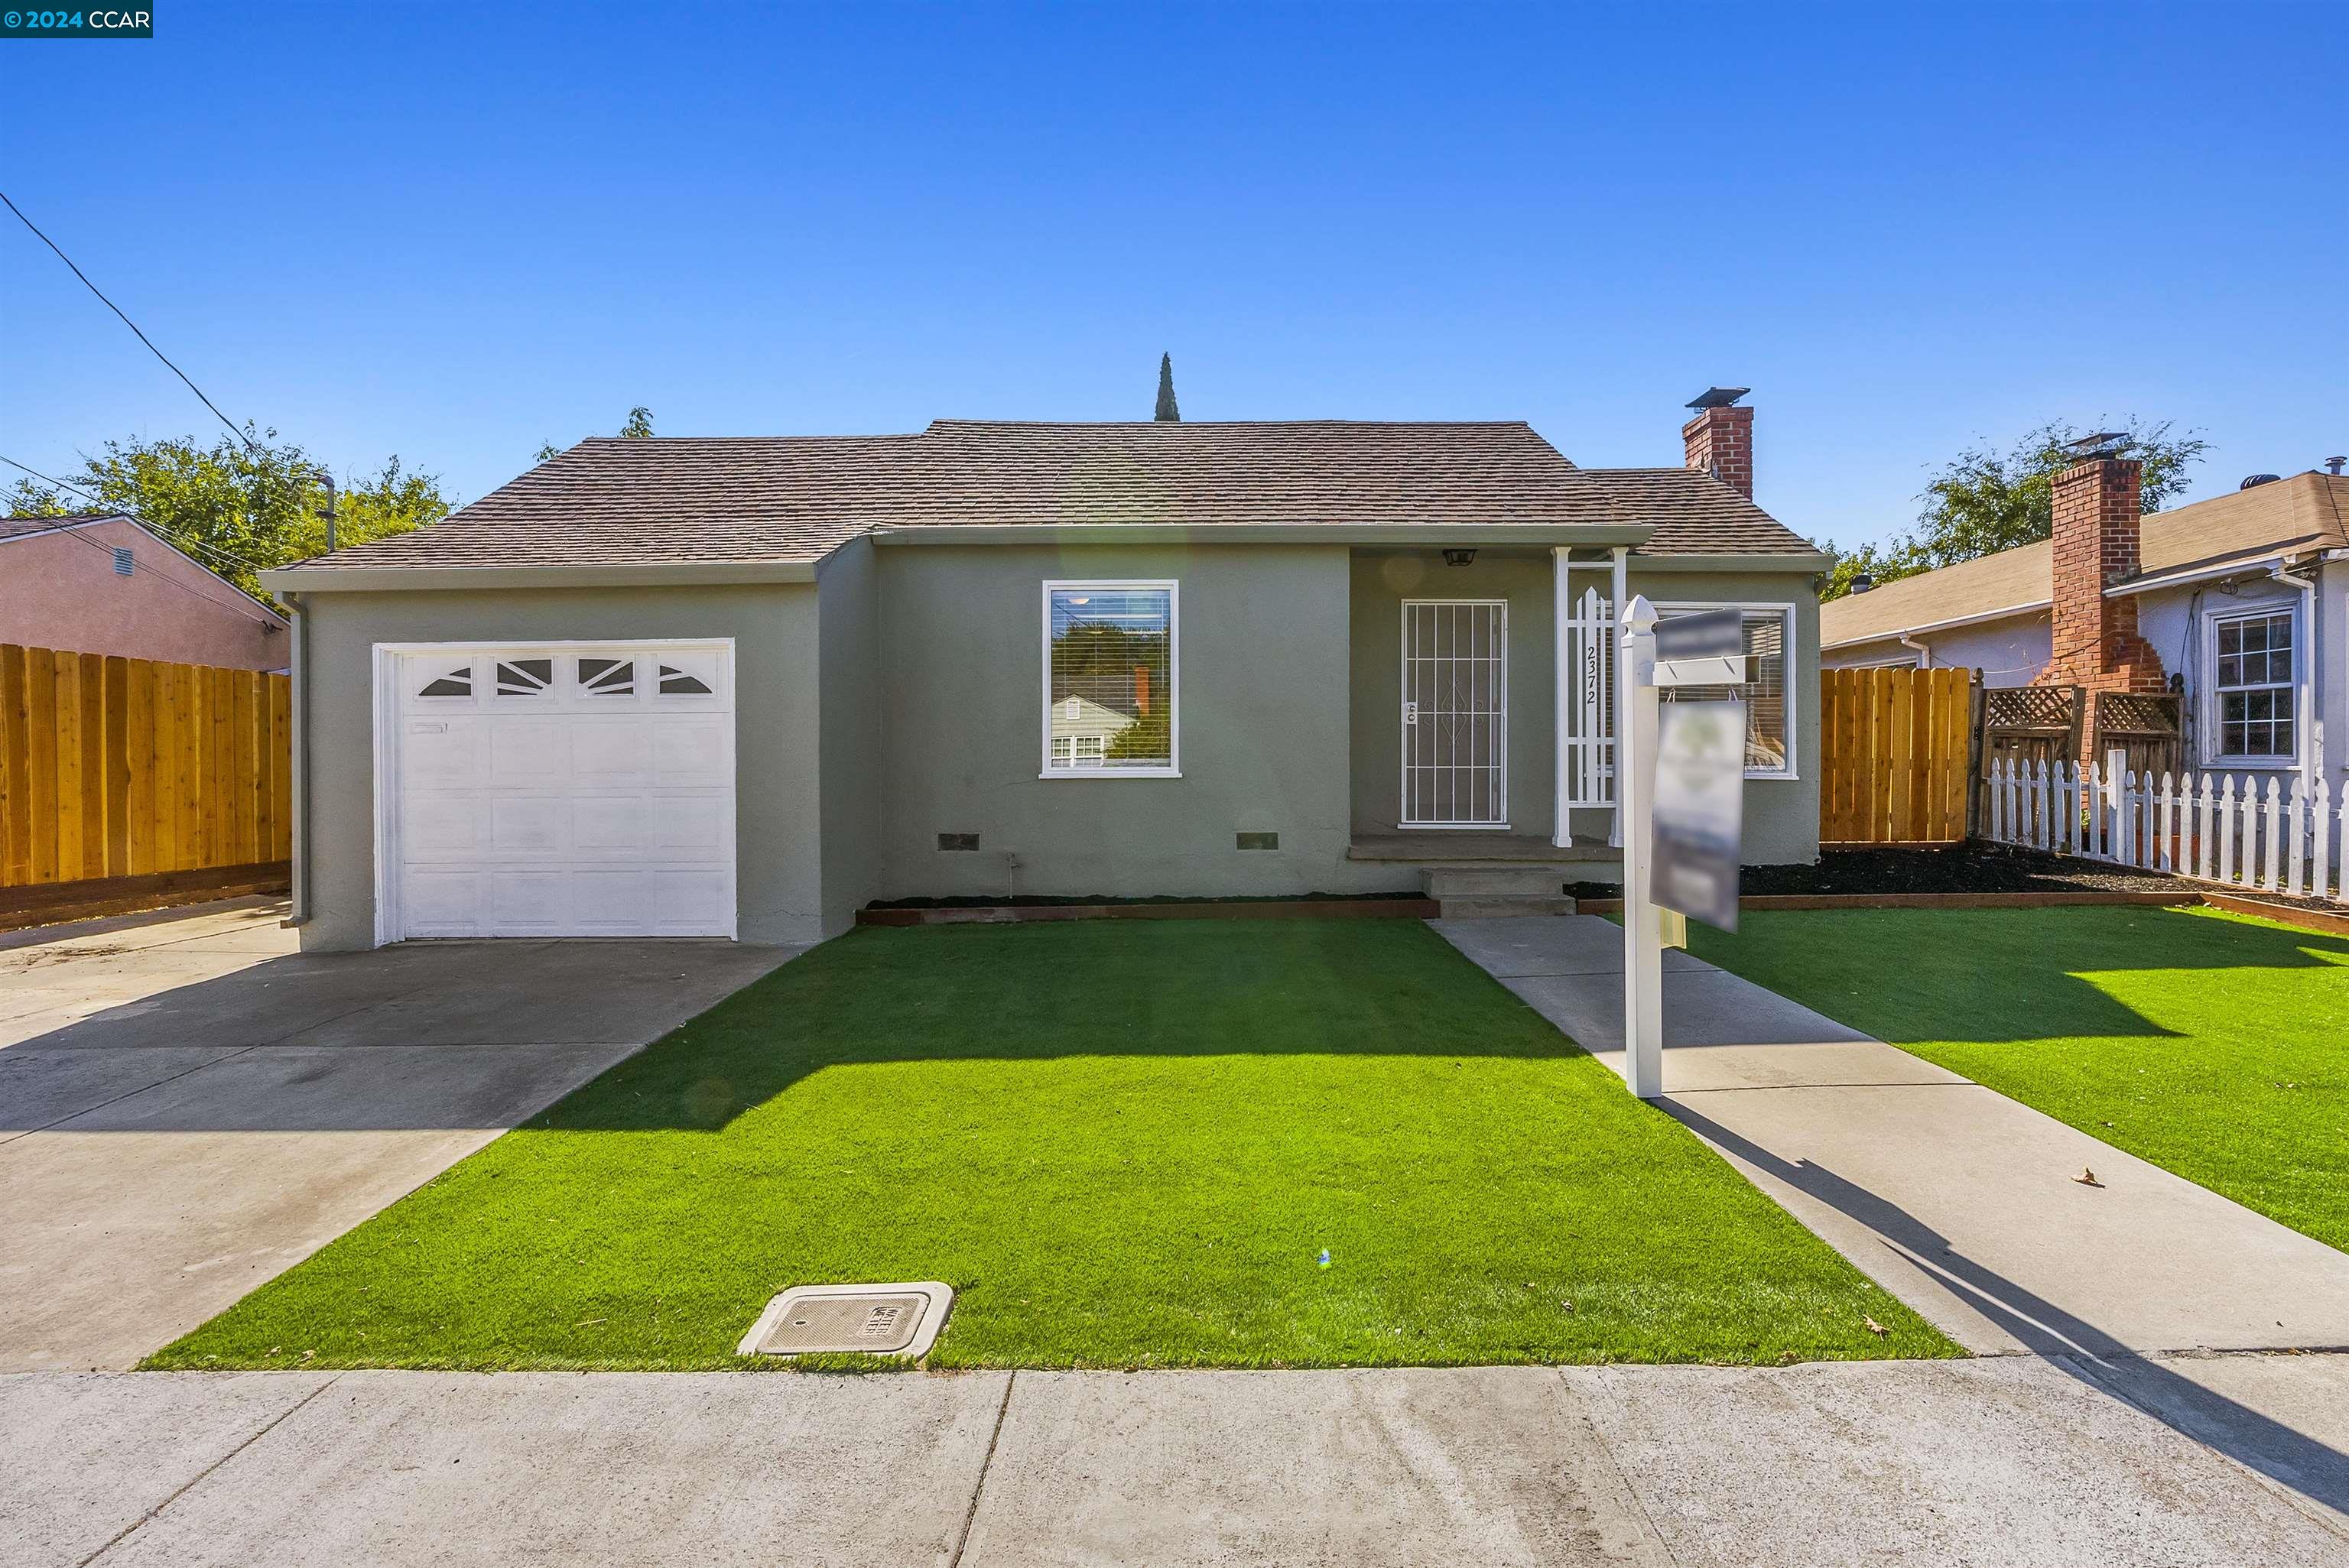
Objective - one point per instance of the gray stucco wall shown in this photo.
(849, 672)
(1262, 706)
(779, 872)
(1380, 582)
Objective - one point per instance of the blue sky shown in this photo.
(454, 234)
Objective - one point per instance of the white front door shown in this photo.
(1456, 713)
(562, 789)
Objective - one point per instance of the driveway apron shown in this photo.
(188, 1107)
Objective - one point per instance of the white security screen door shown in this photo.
(1456, 713)
(565, 789)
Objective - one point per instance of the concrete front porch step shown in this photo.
(1492, 880)
(1502, 906)
(1454, 848)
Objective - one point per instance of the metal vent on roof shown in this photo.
(123, 561)
(2251, 482)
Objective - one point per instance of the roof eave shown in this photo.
(1945, 624)
(1543, 534)
(2267, 559)
(601, 574)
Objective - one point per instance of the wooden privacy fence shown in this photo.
(113, 767)
(2275, 836)
(1896, 756)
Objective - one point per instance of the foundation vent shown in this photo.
(958, 840)
(1259, 840)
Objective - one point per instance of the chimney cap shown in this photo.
(1718, 396)
(2103, 444)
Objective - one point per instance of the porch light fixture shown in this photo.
(1458, 557)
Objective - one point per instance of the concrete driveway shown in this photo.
(188, 1107)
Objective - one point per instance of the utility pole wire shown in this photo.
(154, 528)
(133, 325)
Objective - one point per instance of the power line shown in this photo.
(73, 531)
(155, 528)
(162, 535)
(133, 325)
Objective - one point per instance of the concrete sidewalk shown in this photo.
(188, 1107)
(1955, 1198)
(2006, 1462)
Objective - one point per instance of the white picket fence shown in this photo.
(2277, 837)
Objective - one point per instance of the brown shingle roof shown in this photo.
(2307, 511)
(612, 500)
(17, 527)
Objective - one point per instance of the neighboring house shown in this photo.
(2240, 604)
(743, 687)
(1082, 731)
(101, 583)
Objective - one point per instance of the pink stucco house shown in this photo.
(103, 585)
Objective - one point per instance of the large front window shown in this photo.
(2253, 688)
(1769, 705)
(1109, 672)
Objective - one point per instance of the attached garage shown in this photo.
(554, 790)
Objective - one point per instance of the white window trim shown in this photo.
(1786, 612)
(2212, 744)
(1174, 591)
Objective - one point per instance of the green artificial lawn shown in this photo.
(2215, 1046)
(1124, 1143)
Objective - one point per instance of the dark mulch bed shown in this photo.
(1970, 868)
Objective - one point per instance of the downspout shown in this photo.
(2311, 737)
(300, 740)
(1924, 655)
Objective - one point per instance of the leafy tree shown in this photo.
(638, 426)
(1168, 410)
(30, 497)
(1985, 500)
(241, 507)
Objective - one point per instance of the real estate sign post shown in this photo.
(1683, 782)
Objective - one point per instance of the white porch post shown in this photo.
(1621, 585)
(1563, 675)
(1638, 713)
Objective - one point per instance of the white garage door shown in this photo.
(571, 789)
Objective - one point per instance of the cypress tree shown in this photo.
(1166, 409)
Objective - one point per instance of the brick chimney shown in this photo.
(1720, 439)
(2096, 518)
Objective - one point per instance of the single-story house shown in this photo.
(743, 687)
(100, 583)
(2239, 604)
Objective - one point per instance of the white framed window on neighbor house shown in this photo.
(1769, 696)
(1112, 679)
(2252, 693)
